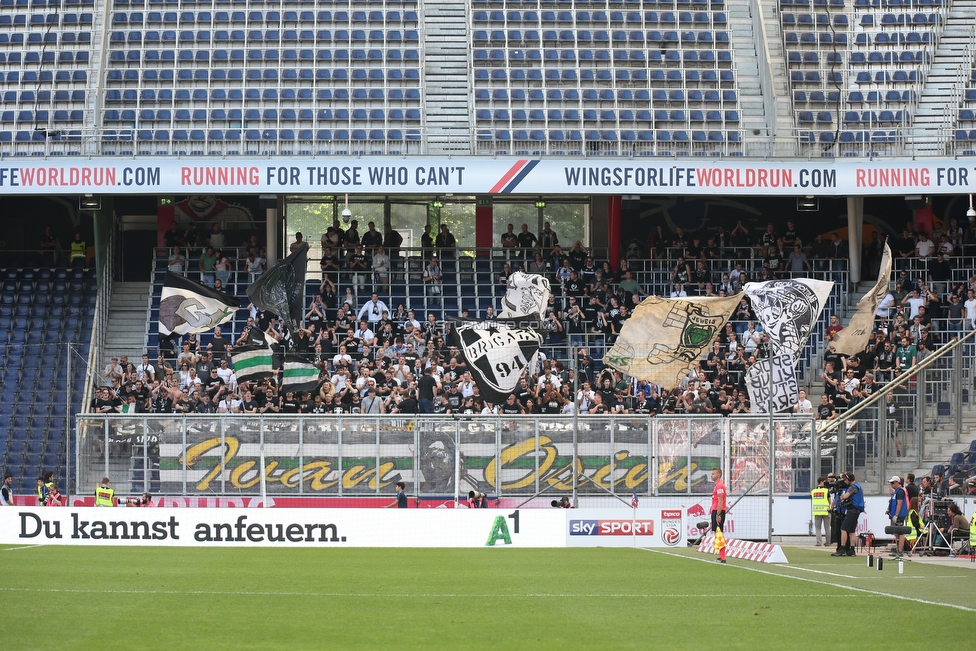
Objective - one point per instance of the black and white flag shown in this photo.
(299, 374)
(281, 289)
(186, 306)
(781, 377)
(252, 362)
(497, 355)
(498, 352)
(787, 310)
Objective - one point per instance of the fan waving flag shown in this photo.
(299, 374)
(666, 338)
(852, 339)
(186, 306)
(281, 290)
(498, 352)
(251, 362)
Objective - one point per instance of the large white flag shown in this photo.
(780, 379)
(852, 339)
(788, 310)
(666, 337)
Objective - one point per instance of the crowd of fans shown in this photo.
(377, 358)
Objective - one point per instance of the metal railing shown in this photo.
(766, 84)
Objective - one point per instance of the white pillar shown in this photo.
(855, 225)
(271, 217)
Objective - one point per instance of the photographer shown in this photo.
(834, 489)
(851, 505)
(477, 500)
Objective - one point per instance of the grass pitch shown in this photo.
(173, 598)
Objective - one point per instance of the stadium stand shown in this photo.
(473, 284)
(608, 78)
(41, 311)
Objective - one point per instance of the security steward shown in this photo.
(820, 499)
(914, 522)
(104, 495)
(972, 535)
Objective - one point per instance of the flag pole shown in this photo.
(772, 446)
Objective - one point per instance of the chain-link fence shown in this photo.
(441, 457)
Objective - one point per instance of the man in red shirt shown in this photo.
(718, 507)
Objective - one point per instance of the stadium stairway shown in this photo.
(946, 78)
(747, 68)
(447, 78)
(127, 316)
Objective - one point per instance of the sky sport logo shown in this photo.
(671, 527)
(611, 527)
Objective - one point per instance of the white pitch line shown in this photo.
(807, 569)
(409, 595)
(17, 549)
(809, 580)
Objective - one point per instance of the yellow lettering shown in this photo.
(385, 467)
(196, 452)
(319, 471)
(237, 476)
(356, 475)
(520, 449)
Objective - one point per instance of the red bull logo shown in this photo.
(696, 511)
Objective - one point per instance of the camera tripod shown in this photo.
(933, 536)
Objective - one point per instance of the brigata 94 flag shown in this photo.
(666, 337)
(498, 352)
(186, 306)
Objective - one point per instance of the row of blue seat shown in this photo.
(626, 115)
(569, 4)
(570, 37)
(118, 76)
(659, 95)
(861, 4)
(881, 77)
(270, 36)
(815, 38)
(876, 117)
(849, 137)
(268, 115)
(374, 56)
(45, 38)
(30, 97)
(50, 3)
(44, 77)
(251, 17)
(643, 135)
(148, 95)
(518, 56)
(674, 75)
(894, 38)
(901, 20)
(211, 3)
(44, 20)
(42, 117)
(270, 135)
(600, 17)
(814, 20)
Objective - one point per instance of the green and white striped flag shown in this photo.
(251, 362)
(299, 374)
